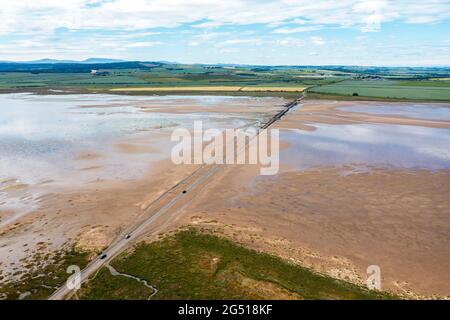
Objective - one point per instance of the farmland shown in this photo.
(390, 89)
(159, 75)
(162, 78)
(209, 88)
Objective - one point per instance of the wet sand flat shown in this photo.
(342, 224)
(337, 214)
(375, 206)
(94, 166)
(333, 112)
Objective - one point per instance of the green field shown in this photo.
(389, 89)
(157, 78)
(165, 76)
(209, 89)
(194, 265)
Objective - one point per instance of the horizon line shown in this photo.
(119, 60)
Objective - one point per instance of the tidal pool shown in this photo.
(396, 146)
(413, 110)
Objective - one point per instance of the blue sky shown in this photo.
(283, 32)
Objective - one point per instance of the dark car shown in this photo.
(103, 256)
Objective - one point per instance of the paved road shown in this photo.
(121, 244)
(165, 202)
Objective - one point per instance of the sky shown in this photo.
(263, 32)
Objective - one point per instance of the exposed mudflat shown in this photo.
(339, 112)
(79, 169)
(354, 190)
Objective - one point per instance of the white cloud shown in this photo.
(49, 15)
(229, 50)
(206, 36)
(233, 42)
(290, 42)
(296, 30)
(142, 44)
(318, 41)
(81, 28)
(375, 11)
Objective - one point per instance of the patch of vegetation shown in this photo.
(426, 84)
(209, 89)
(388, 89)
(41, 282)
(114, 288)
(15, 76)
(195, 265)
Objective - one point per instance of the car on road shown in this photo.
(103, 256)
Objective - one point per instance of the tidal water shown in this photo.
(412, 110)
(71, 140)
(382, 145)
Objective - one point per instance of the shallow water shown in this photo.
(414, 110)
(382, 145)
(42, 137)
(52, 129)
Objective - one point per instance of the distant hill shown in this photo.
(106, 64)
(101, 60)
(44, 66)
(44, 61)
(50, 61)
